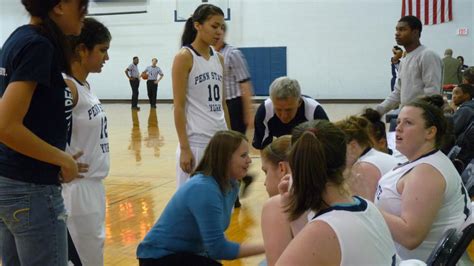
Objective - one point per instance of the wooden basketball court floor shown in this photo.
(142, 180)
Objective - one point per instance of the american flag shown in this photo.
(430, 12)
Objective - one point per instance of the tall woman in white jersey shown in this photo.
(339, 223)
(199, 102)
(425, 196)
(85, 198)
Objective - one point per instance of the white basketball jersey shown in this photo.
(382, 161)
(453, 212)
(89, 132)
(362, 233)
(204, 110)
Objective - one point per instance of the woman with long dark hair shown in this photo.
(85, 198)
(200, 108)
(35, 116)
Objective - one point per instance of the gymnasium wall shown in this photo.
(337, 49)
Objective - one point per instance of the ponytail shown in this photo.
(317, 157)
(308, 165)
(189, 33)
(52, 32)
(200, 15)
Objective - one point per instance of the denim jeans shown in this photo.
(32, 224)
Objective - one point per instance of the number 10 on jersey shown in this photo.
(214, 92)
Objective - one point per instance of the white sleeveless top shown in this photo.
(454, 209)
(382, 161)
(360, 225)
(89, 132)
(204, 110)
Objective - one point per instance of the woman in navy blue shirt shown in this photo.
(191, 229)
(35, 115)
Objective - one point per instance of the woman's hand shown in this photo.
(284, 188)
(186, 160)
(71, 168)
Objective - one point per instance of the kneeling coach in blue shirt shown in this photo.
(191, 229)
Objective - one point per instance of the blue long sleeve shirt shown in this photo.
(194, 221)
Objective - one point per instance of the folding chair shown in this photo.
(468, 178)
(440, 254)
(465, 238)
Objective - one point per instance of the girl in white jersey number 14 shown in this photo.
(199, 102)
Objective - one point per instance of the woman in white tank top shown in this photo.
(197, 74)
(364, 164)
(84, 198)
(425, 196)
(340, 224)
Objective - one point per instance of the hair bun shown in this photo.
(372, 115)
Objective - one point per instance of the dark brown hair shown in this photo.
(201, 14)
(49, 29)
(413, 22)
(433, 116)
(93, 33)
(41, 8)
(217, 156)
(318, 156)
(467, 89)
(468, 75)
(378, 129)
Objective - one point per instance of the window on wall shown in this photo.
(117, 7)
(185, 8)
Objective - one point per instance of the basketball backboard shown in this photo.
(185, 8)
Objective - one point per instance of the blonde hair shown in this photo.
(278, 150)
(357, 128)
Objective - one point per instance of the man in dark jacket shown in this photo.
(464, 115)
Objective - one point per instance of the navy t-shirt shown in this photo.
(29, 56)
(269, 126)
